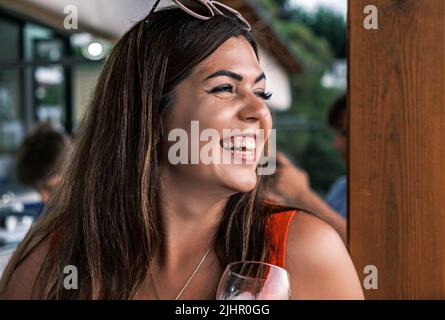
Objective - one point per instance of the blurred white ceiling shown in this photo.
(340, 6)
(110, 16)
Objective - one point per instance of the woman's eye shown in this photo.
(264, 95)
(229, 89)
(224, 88)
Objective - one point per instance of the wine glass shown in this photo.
(251, 280)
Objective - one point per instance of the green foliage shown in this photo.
(327, 24)
(313, 52)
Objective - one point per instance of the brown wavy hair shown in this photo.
(106, 214)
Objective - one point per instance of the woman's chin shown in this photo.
(247, 187)
(241, 183)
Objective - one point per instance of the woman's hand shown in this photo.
(291, 182)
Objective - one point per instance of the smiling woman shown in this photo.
(137, 226)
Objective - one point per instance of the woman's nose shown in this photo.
(254, 109)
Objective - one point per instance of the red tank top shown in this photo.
(277, 229)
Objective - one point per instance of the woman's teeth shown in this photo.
(245, 144)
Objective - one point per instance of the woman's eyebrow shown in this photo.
(233, 75)
(262, 76)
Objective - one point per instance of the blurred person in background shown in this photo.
(41, 157)
(290, 185)
(39, 164)
(337, 197)
(138, 226)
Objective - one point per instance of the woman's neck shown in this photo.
(191, 214)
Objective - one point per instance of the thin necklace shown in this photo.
(188, 281)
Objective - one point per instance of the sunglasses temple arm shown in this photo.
(152, 10)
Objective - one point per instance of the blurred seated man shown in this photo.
(40, 159)
(337, 196)
(290, 186)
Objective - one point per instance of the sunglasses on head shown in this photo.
(204, 10)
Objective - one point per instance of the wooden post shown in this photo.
(397, 147)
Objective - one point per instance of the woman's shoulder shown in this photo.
(302, 227)
(312, 238)
(318, 262)
(306, 227)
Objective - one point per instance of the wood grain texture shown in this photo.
(397, 147)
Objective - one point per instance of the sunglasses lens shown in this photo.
(196, 7)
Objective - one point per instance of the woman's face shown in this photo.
(226, 91)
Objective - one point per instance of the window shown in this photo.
(45, 75)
